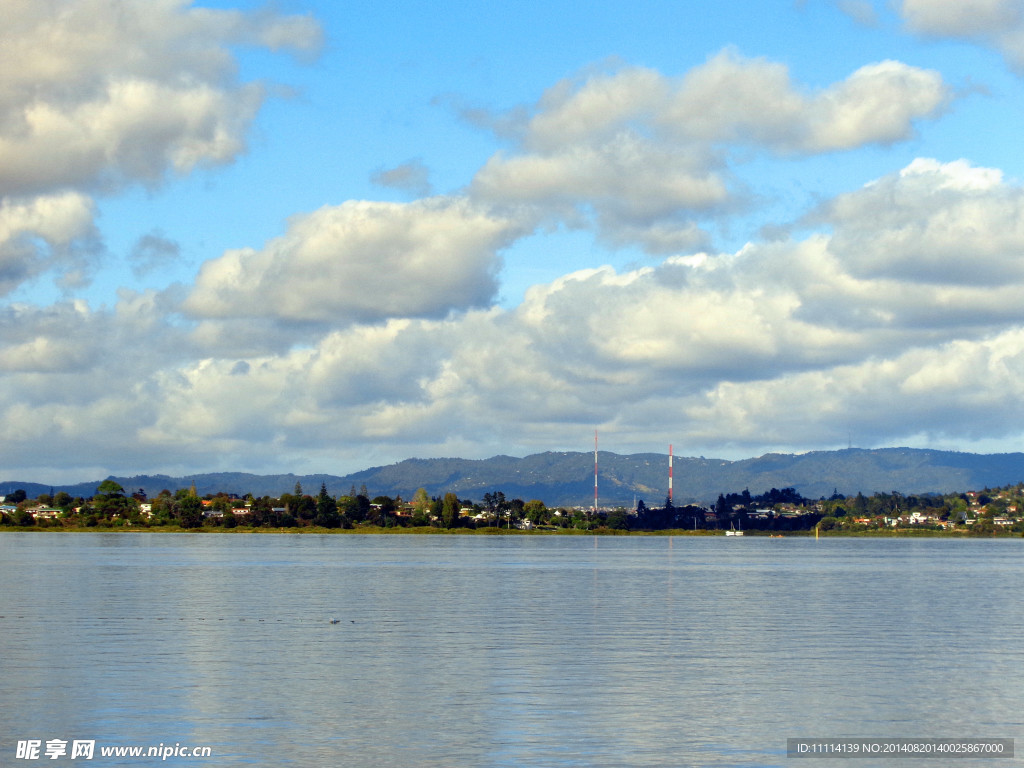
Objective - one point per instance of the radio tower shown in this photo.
(595, 470)
(670, 474)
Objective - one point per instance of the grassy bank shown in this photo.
(361, 530)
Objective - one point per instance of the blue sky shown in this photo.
(315, 237)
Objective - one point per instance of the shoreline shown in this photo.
(430, 531)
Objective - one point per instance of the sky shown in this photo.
(316, 237)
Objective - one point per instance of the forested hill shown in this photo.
(567, 479)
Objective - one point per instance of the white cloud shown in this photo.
(75, 382)
(949, 224)
(370, 326)
(998, 24)
(775, 344)
(43, 233)
(876, 104)
(734, 99)
(782, 343)
(640, 190)
(957, 391)
(594, 108)
(649, 156)
(363, 261)
(95, 94)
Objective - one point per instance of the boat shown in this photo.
(733, 532)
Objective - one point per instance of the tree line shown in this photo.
(775, 510)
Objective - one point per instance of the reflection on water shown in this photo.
(504, 651)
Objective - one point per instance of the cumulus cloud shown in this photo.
(948, 224)
(959, 391)
(739, 100)
(95, 94)
(648, 155)
(993, 24)
(43, 233)
(998, 24)
(734, 99)
(371, 324)
(779, 342)
(639, 190)
(363, 262)
(73, 376)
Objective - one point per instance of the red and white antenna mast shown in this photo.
(595, 470)
(670, 473)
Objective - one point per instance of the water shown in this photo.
(504, 651)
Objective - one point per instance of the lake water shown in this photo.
(505, 651)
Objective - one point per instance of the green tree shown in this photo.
(617, 520)
(420, 519)
(381, 511)
(327, 515)
(450, 510)
(16, 496)
(535, 511)
(362, 507)
(221, 503)
(386, 503)
(354, 508)
(420, 501)
(515, 509)
(190, 512)
(302, 507)
(110, 487)
(495, 503)
(22, 517)
(261, 511)
(348, 507)
(111, 502)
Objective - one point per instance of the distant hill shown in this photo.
(567, 479)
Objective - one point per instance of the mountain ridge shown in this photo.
(565, 478)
